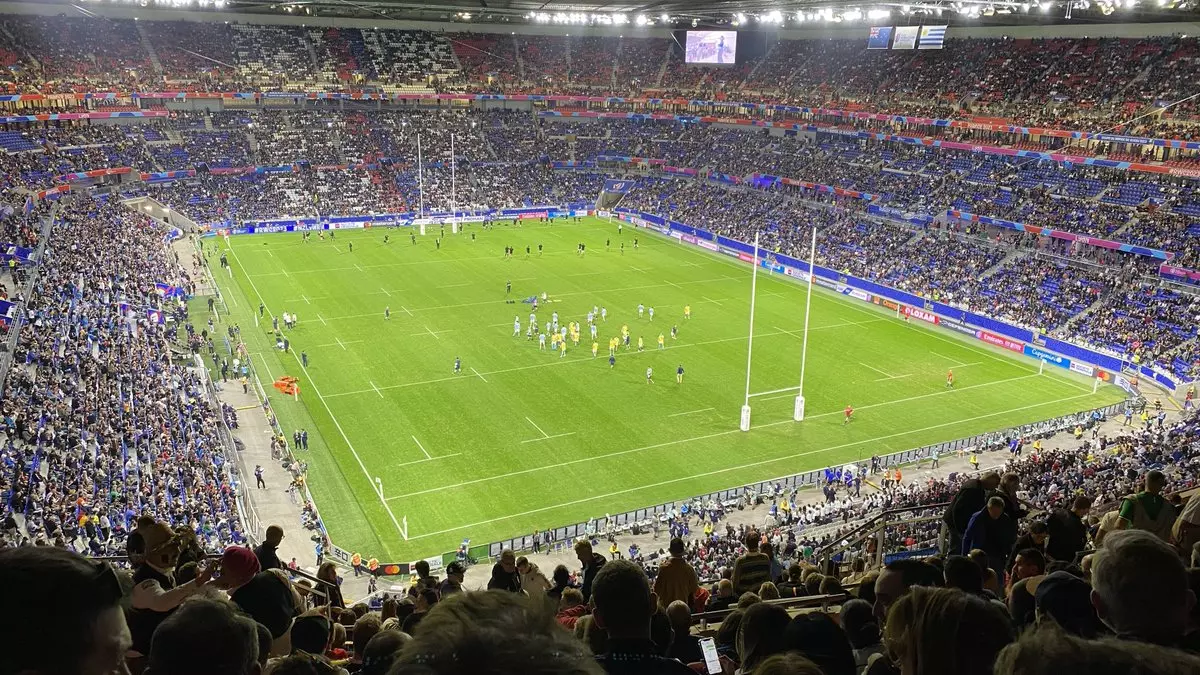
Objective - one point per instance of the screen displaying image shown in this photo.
(711, 46)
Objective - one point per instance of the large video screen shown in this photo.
(711, 46)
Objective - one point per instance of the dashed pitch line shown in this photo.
(427, 459)
(691, 412)
(455, 285)
(716, 302)
(546, 438)
(435, 335)
(427, 455)
(868, 366)
(385, 292)
(375, 388)
(306, 300)
(406, 310)
(339, 343)
(774, 460)
(707, 436)
(892, 377)
(359, 267)
(323, 321)
(535, 426)
(479, 375)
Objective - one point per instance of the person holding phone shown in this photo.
(623, 607)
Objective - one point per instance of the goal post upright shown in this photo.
(745, 418)
(798, 411)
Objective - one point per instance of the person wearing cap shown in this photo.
(1066, 600)
(311, 634)
(266, 596)
(455, 574)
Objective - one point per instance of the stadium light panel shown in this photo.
(665, 18)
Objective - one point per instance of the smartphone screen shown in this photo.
(711, 661)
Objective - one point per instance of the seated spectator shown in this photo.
(791, 663)
(1140, 590)
(60, 593)
(311, 634)
(623, 607)
(202, 637)
(382, 650)
(303, 663)
(1065, 600)
(685, 647)
(761, 634)
(942, 631)
(822, 641)
(1049, 651)
(570, 607)
(426, 599)
(494, 633)
(724, 598)
(858, 620)
(898, 578)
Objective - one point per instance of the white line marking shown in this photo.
(323, 321)
(480, 375)
(675, 285)
(429, 459)
(406, 310)
(638, 269)
(266, 366)
(773, 391)
(586, 274)
(893, 377)
(427, 455)
(535, 426)
(306, 299)
(869, 366)
(708, 299)
(546, 438)
(270, 253)
(285, 273)
(954, 361)
(691, 412)
(375, 388)
(343, 346)
(385, 292)
(455, 285)
(717, 435)
(432, 333)
(727, 469)
(336, 423)
(360, 269)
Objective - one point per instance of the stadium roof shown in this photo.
(739, 14)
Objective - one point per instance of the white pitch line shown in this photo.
(360, 269)
(427, 455)
(432, 333)
(323, 321)
(675, 285)
(385, 292)
(881, 372)
(428, 459)
(338, 343)
(893, 377)
(714, 435)
(285, 273)
(751, 465)
(306, 300)
(691, 412)
(455, 285)
(406, 310)
(535, 426)
(479, 374)
(375, 388)
(311, 383)
(708, 299)
(546, 438)
(343, 346)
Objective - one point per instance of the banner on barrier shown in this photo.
(1001, 341)
(917, 313)
(1048, 357)
(1083, 368)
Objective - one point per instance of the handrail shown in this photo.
(803, 602)
(318, 582)
(870, 522)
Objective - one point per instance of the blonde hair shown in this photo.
(768, 591)
(943, 631)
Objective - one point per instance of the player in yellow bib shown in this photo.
(595, 348)
(662, 341)
(687, 311)
(641, 344)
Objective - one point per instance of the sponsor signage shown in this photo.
(746, 257)
(861, 295)
(1000, 341)
(956, 326)
(1083, 368)
(688, 238)
(917, 313)
(1046, 356)
(530, 215)
(707, 245)
(793, 272)
(891, 305)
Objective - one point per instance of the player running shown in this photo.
(652, 314)
(679, 374)
(604, 314)
(387, 313)
(949, 379)
(849, 413)
(457, 365)
(516, 326)
(507, 287)
(674, 331)
(649, 375)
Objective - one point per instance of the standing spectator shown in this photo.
(332, 590)
(426, 599)
(592, 564)
(676, 579)
(455, 574)
(752, 568)
(1066, 531)
(505, 576)
(972, 496)
(623, 606)
(60, 593)
(258, 477)
(1148, 510)
(1035, 539)
(1140, 590)
(424, 578)
(990, 531)
(532, 579)
(267, 551)
(562, 581)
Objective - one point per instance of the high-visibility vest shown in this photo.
(356, 560)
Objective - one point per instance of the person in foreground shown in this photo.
(624, 606)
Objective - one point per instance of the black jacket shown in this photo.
(970, 498)
(589, 575)
(267, 556)
(1067, 535)
(503, 580)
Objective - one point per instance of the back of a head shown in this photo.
(676, 547)
(311, 634)
(304, 663)
(493, 633)
(1155, 481)
(727, 632)
(52, 593)
(943, 631)
(1140, 587)
(382, 651)
(751, 540)
(365, 629)
(761, 633)
(680, 615)
(621, 595)
(202, 637)
(914, 572)
(821, 640)
(858, 620)
(1050, 651)
(791, 663)
(962, 573)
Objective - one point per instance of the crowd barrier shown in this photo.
(1017, 339)
(569, 210)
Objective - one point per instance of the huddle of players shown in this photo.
(559, 334)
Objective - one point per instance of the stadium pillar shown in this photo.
(798, 411)
(745, 421)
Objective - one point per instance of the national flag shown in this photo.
(932, 37)
(906, 37)
(123, 308)
(619, 187)
(880, 38)
(28, 204)
(7, 312)
(156, 316)
(287, 385)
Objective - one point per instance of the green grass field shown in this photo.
(523, 439)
